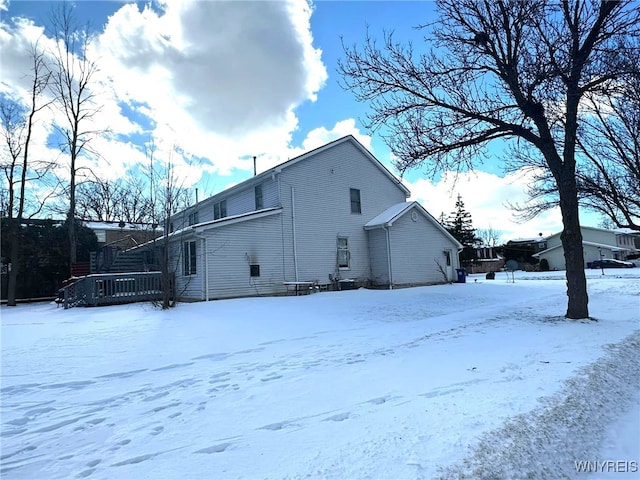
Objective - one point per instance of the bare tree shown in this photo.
(17, 129)
(489, 236)
(516, 70)
(168, 196)
(124, 199)
(608, 161)
(73, 73)
(609, 178)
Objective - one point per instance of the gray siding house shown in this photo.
(596, 242)
(330, 215)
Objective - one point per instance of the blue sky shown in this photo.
(223, 81)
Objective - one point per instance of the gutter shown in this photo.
(387, 229)
(293, 224)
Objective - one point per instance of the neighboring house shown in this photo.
(488, 259)
(122, 234)
(596, 242)
(114, 238)
(330, 215)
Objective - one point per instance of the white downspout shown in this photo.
(293, 222)
(389, 257)
(206, 266)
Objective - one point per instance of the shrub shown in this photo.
(544, 265)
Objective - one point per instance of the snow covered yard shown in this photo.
(476, 380)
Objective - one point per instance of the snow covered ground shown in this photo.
(476, 380)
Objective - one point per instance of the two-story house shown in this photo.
(596, 243)
(332, 214)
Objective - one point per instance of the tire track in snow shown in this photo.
(546, 443)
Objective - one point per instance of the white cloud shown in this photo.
(486, 197)
(315, 138)
(212, 80)
(320, 136)
(226, 76)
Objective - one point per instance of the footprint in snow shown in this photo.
(215, 448)
(339, 417)
(271, 376)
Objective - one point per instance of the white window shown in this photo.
(220, 210)
(189, 258)
(259, 200)
(344, 256)
(354, 195)
(193, 218)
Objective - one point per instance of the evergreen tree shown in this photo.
(459, 224)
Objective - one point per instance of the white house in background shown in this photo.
(330, 215)
(596, 242)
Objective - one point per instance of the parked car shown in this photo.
(611, 263)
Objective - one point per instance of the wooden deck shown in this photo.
(112, 288)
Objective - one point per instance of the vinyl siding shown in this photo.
(231, 249)
(378, 257)
(415, 249)
(321, 187)
(188, 287)
(588, 235)
(238, 202)
(555, 259)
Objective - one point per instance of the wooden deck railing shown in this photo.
(113, 288)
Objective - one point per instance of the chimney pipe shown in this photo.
(254, 166)
(196, 195)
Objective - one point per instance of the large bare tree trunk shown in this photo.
(578, 301)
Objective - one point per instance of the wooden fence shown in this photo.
(113, 288)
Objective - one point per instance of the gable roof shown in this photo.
(393, 213)
(605, 230)
(351, 139)
(278, 168)
(613, 248)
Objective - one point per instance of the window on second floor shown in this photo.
(189, 258)
(220, 210)
(193, 218)
(355, 200)
(259, 200)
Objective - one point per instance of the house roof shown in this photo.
(387, 217)
(393, 213)
(615, 232)
(528, 240)
(234, 219)
(200, 227)
(95, 225)
(613, 248)
(278, 168)
(359, 146)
